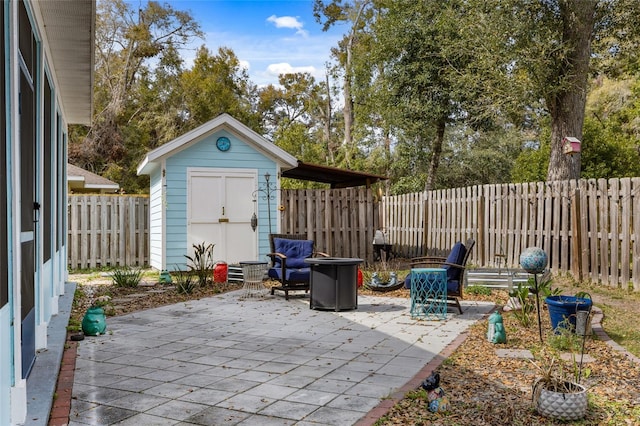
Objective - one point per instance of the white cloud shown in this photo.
(285, 68)
(288, 22)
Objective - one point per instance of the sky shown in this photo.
(269, 37)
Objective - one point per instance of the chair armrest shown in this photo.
(319, 254)
(283, 259)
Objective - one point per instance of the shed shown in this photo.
(205, 187)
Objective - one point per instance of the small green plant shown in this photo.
(479, 290)
(544, 288)
(564, 337)
(201, 263)
(126, 277)
(185, 281)
(74, 325)
(526, 305)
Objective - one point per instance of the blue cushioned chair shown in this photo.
(288, 265)
(455, 264)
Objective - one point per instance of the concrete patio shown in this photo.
(259, 361)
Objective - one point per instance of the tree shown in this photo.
(127, 42)
(299, 110)
(219, 84)
(553, 45)
(358, 14)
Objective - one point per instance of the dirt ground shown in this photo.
(482, 388)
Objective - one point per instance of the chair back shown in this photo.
(286, 236)
(469, 245)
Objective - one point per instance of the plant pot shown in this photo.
(560, 405)
(566, 307)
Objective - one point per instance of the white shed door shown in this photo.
(219, 209)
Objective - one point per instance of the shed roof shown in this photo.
(337, 178)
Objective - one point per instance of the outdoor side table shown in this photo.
(429, 293)
(333, 283)
(252, 276)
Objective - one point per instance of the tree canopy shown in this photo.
(432, 94)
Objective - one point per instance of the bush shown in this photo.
(201, 264)
(185, 282)
(126, 277)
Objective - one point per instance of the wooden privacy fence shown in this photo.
(588, 227)
(108, 230)
(342, 222)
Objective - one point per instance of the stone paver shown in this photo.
(514, 353)
(236, 361)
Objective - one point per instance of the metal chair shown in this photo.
(455, 264)
(288, 265)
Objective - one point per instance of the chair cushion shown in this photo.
(294, 275)
(295, 250)
(456, 256)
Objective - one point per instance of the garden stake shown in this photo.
(535, 280)
(584, 337)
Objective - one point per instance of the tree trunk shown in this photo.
(567, 106)
(326, 126)
(348, 107)
(436, 152)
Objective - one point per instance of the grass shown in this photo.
(620, 307)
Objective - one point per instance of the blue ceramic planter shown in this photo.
(562, 307)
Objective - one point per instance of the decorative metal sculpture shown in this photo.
(268, 190)
(534, 261)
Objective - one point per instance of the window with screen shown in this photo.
(47, 193)
(4, 243)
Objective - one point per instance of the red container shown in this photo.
(220, 272)
(360, 279)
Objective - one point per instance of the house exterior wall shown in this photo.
(47, 136)
(204, 153)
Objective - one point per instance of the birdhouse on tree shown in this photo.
(571, 145)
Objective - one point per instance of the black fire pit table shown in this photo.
(333, 283)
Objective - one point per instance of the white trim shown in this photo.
(19, 401)
(19, 391)
(41, 332)
(163, 215)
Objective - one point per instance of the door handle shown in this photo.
(223, 220)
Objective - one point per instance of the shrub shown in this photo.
(185, 282)
(126, 277)
(201, 263)
(523, 314)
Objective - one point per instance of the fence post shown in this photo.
(481, 230)
(576, 228)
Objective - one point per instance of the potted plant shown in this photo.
(563, 307)
(382, 278)
(557, 393)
